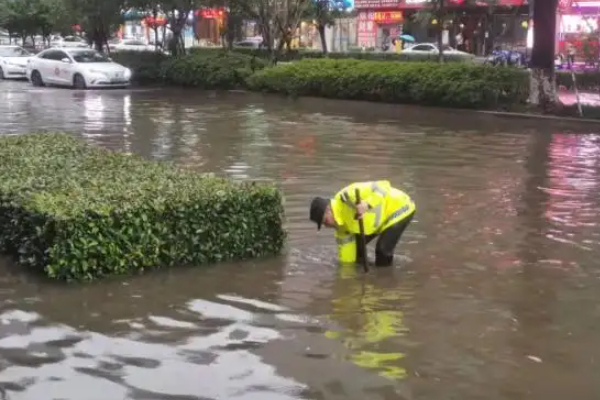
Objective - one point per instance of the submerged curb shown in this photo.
(507, 114)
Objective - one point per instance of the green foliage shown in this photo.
(451, 85)
(219, 70)
(32, 17)
(82, 213)
(146, 65)
(295, 55)
(216, 69)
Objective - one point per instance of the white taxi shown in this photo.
(76, 67)
(13, 62)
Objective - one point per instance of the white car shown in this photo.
(430, 49)
(131, 45)
(69, 41)
(78, 68)
(13, 62)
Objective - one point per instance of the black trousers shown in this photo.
(386, 244)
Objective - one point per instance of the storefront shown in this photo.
(380, 18)
(209, 25)
(578, 23)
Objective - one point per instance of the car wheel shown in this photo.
(36, 79)
(79, 82)
(1, 74)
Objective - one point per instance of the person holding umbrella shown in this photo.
(383, 212)
(406, 38)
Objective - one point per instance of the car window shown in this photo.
(13, 52)
(89, 56)
(59, 55)
(422, 47)
(134, 43)
(54, 55)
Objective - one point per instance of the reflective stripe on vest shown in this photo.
(344, 240)
(396, 214)
(375, 188)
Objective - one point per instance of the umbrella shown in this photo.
(407, 38)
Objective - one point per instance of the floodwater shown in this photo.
(495, 293)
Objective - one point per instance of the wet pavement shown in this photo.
(494, 294)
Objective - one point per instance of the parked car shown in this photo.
(69, 41)
(130, 45)
(76, 67)
(430, 51)
(255, 42)
(13, 62)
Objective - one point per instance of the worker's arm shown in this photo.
(346, 243)
(371, 193)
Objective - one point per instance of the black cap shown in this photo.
(318, 206)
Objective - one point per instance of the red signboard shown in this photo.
(210, 13)
(387, 17)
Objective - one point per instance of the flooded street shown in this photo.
(495, 293)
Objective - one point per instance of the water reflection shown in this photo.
(574, 164)
(371, 316)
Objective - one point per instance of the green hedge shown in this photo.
(145, 65)
(450, 85)
(207, 70)
(218, 70)
(295, 55)
(80, 213)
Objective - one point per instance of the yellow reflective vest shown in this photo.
(387, 206)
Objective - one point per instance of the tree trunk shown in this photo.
(440, 32)
(321, 29)
(155, 25)
(542, 78)
(230, 33)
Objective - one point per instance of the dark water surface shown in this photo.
(495, 295)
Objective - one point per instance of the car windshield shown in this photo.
(446, 47)
(13, 52)
(89, 56)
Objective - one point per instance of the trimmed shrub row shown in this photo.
(78, 212)
(295, 55)
(450, 85)
(208, 70)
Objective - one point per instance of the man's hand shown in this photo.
(361, 209)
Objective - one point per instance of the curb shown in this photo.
(537, 116)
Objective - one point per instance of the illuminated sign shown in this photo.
(387, 16)
(370, 4)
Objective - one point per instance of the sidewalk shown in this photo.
(586, 98)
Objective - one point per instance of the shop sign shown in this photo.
(210, 13)
(387, 17)
(374, 4)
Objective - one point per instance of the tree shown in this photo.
(543, 86)
(324, 13)
(28, 18)
(277, 20)
(439, 10)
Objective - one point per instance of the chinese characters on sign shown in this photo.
(372, 4)
(387, 17)
(367, 29)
